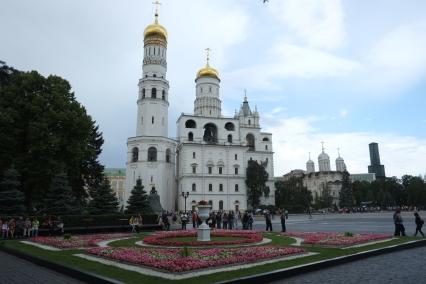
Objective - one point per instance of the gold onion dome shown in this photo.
(155, 29)
(207, 71)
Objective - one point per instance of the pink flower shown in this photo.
(171, 260)
(77, 241)
(335, 239)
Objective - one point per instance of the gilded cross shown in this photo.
(322, 146)
(208, 54)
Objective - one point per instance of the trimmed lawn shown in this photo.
(213, 239)
(66, 257)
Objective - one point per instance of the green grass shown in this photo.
(66, 257)
(194, 239)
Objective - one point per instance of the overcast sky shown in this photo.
(344, 72)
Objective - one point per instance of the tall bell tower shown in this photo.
(151, 155)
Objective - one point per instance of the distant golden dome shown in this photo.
(155, 29)
(207, 72)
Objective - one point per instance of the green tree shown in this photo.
(103, 199)
(43, 128)
(324, 200)
(416, 190)
(362, 192)
(346, 198)
(292, 195)
(138, 200)
(256, 177)
(60, 199)
(11, 198)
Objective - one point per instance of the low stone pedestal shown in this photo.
(203, 234)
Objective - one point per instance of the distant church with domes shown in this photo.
(324, 178)
(209, 157)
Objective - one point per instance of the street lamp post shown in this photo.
(185, 195)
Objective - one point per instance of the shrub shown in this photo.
(349, 234)
(185, 252)
(67, 236)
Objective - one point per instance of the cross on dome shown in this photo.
(157, 3)
(208, 49)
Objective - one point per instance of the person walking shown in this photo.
(419, 224)
(398, 221)
(268, 220)
(250, 221)
(35, 225)
(219, 220)
(283, 217)
(184, 220)
(27, 228)
(12, 226)
(225, 221)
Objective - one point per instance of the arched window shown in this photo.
(163, 95)
(210, 133)
(220, 205)
(230, 138)
(143, 93)
(236, 188)
(135, 154)
(266, 147)
(250, 142)
(152, 154)
(194, 187)
(210, 187)
(168, 154)
(190, 136)
(265, 139)
(154, 75)
(220, 187)
(190, 124)
(211, 203)
(229, 126)
(154, 93)
(152, 120)
(249, 122)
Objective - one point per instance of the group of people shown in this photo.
(136, 223)
(399, 224)
(19, 228)
(227, 220)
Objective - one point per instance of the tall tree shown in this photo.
(60, 199)
(138, 200)
(346, 197)
(256, 177)
(292, 195)
(324, 200)
(43, 128)
(104, 200)
(11, 198)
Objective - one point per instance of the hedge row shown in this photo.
(92, 220)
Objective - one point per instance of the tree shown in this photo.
(256, 177)
(44, 128)
(11, 198)
(103, 199)
(138, 200)
(60, 199)
(346, 197)
(292, 195)
(324, 200)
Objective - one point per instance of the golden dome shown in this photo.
(155, 29)
(207, 71)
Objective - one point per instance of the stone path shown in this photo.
(406, 267)
(14, 270)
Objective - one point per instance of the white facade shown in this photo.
(151, 155)
(210, 155)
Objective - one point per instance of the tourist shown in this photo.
(132, 224)
(245, 220)
(194, 219)
(4, 229)
(35, 224)
(231, 218)
(399, 226)
(268, 220)
(237, 218)
(184, 220)
(225, 221)
(166, 222)
(27, 228)
(20, 224)
(12, 226)
(219, 220)
(60, 226)
(283, 217)
(419, 224)
(250, 221)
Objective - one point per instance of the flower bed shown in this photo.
(77, 241)
(336, 239)
(173, 261)
(163, 238)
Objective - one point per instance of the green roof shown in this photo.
(115, 172)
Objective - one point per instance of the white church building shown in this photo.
(209, 157)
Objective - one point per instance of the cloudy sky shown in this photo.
(344, 72)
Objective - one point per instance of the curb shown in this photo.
(305, 268)
(60, 268)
